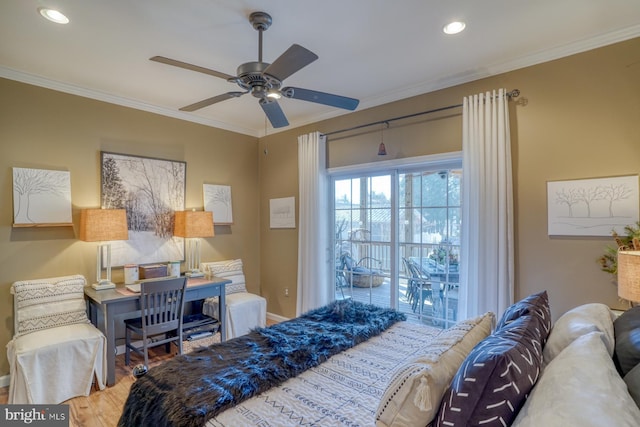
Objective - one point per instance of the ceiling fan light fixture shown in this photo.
(264, 80)
(53, 15)
(454, 27)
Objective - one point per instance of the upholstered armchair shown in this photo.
(245, 310)
(55, 353)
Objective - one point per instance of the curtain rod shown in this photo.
(512, 94)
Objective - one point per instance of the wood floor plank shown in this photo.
(102, 408)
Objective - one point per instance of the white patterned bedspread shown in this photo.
(342, 391)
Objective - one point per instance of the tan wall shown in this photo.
(44, 129)
(582, 120)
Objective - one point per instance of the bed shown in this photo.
(343, 391)
(351, 364)
(363, 343)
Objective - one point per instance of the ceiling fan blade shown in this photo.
(192, 67)
(274, 113)
(292, 60)
(213, 100)
(320, 97)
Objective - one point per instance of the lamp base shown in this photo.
(102, 285)
(194, 273)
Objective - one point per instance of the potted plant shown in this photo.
(630, 241)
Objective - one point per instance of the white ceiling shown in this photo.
(376, 51)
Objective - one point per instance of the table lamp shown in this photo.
(192, 225)
(629, 275)
(104, 226)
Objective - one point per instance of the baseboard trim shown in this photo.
(4, 380)
(276, 318)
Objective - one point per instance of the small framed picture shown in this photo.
(217, 199)
(41, 197)
(282, 212)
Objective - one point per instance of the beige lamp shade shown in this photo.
(629, 275)
(103, 225)
(193, 224)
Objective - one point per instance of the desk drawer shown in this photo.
(197, 293)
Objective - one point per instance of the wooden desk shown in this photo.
(104, 306)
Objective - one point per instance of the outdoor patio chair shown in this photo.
(365, 273)
(420, 289)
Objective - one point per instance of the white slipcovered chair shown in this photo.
(244, 310)
(55, 353)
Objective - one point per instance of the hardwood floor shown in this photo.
(102, 408)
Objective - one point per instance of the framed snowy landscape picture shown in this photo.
(150, 190)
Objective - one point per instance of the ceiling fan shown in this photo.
(264, 80)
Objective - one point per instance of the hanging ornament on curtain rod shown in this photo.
(382, 150)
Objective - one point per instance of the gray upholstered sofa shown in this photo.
(581, 371)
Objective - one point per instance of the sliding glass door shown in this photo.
(363, 238)
(397, 241)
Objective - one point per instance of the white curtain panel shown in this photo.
(313, 252)
(487, 206)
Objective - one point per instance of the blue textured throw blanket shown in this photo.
(192, 388)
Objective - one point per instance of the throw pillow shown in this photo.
(228, 269)
(495, 378)
(632, 380)
(525, 306)
(47, 303)
(414, 392)
(580, 387)
(627, 340)
(577, 322)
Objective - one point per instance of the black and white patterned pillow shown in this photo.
(48, 303)
(534, 302)
(415, 389)
(495, 379)
(228, 269)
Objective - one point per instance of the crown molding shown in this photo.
(44, 82)
(395, 95)
(540, 57)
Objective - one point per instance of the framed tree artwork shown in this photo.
(282, 212)
(592, 207)
(217, 199)
(41, 198)
(150, 190)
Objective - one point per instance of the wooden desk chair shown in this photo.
(162, 306)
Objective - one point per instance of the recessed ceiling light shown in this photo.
(53, 15)
(454, 27)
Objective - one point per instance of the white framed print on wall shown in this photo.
(217, 199)
(282, 212)
(592, 207)
(41, 197)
